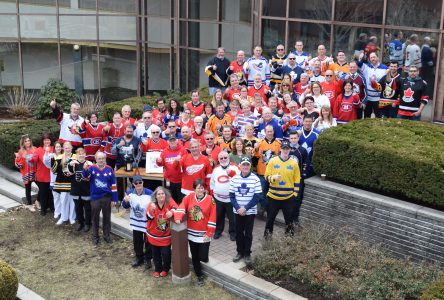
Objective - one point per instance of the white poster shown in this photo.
(151, 166)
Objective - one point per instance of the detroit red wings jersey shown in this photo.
(158, 229)
(193, 169)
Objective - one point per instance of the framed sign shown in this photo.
(151, 166)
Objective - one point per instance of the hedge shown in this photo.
(137, 103)
(400, 158)
(10, 135)
(435, 291)
(8, 281)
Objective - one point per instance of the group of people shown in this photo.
(245, 152)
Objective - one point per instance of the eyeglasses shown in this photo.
(328, 75)
(147, 117)
(280, 49)
(209, 139)
(138, 182)
(292, 58)
(172, 126)
(226, 157)
(286, 85)
(154, 132)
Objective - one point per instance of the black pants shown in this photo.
(111, 162)
(372, 106)
(45, 196)
(244, 233)
(223, 209)
(28, 193)
(83, 211)
(298, 202)
(175, 191)
(139, 243)
(161, 258)
(199, 252)
(287, 209)
(151, 184)
(104, 205)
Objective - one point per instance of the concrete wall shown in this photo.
(405, 229)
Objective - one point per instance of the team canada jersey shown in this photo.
(413, 94)
(108, 138)
(220, 181)
(201, 216)
(344, 108)
(194, 169)
(92, 137)
(158, 230)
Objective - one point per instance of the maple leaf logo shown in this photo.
(409, 93)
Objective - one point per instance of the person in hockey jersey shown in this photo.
(292, 69)
(219, 185)
(245, 192)
(159, 213)
(103, 191)
(138, 199)
(237, 68)
(200, 211)
(257, 64)
(359, 86)
(302, 58)
(216, 70)
(389, 86)
(306, 139)
(111, 133)
(413, 97)
(69, 123)
(92, 134)
(277, 61)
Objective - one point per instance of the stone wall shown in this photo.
(406, 229)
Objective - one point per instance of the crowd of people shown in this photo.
(245, 152)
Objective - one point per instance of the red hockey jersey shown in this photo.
(92, 137)
(109, 137)
(194, 169)
(171, 166)
(158, 229)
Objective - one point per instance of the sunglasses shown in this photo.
(153, 132)
(280, 49)
(285, 85)
(209, 139)
(224, 157)
(328, 75)
(292, 58)
(138, 182)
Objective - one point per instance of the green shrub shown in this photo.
(137, 103)
(8, 281)
(10, 136)
(435, 291)
(54, 89)
(397, 157)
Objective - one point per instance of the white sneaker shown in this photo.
(56, 216)
(59, 222)
(72, 222)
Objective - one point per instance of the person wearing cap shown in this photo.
(245, 192)
(284, 177)
(170, 161)
(137, 200)
(219, 185)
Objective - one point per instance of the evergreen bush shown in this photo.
(8, 281)
(54, 89)
(435, 291)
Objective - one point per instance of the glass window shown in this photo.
(183, 74)
(8, 6)
(312, 34)
(237, 37)
(79, 68)
(274, 8)
(159, 30)
(77, 7)
(37, 6)
(40, 63)
(183, 9)
(352, 40)
(236, 10)
(314, 9)
(8, 26)
(106, 6)
(273, 33)
(183, 33)
(159, 67)
(196, 76)
(118, 72)
(414, 13)
(78, 27)
(9, 65)
(359, 11)
(117, 28)
(38, 26)
(202, 35)
(202, 9)
(159, 8)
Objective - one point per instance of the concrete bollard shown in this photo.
(180, 259)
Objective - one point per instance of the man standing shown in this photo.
(111, 133)
(245, 192)
(257, 64)
(195, 105)
(70, 124)
(322, 58)
(233, 91)
(219, 119)
(237, 68)
(389, 86)
(211, 149)
(217, 71)
(302, 57)
(396, 52)
(306, 139)
(413, 96)
(284, 177)
(276, 63)
(330, 87)
(267, 120)
(143, 130)
(413, 53)
(220, 185)
(340, 67)
(292, 69)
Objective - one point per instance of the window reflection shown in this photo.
(202, 9)
(414, 13)
(312, 34)
(40, 63)
(273, 33)
(9, 65)
(313, 9)
(274, 8)
(359, 11)
(8, 26)
(236, 10)
(353, 40)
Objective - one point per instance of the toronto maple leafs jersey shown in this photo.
(307, 140)
(138, 205)
(245, 191)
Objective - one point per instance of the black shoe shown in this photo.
(232, 237)
(200, 281)
(108, 240)
(238, 257)
(267, 234)
(86, 228)
(43, 213)
(95, 241)
(137, 263)
(248, 260)
(217, 235)
(78, 227)
(148, 264)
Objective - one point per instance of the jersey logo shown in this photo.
(356, 88)
(97, 141)
(100, 184)
(162, 224)
(408, 95)
(223, 179)
(194, 169)
(346, 107)
(196, 214)
(388, 92)
(243, 189)
(138, 211)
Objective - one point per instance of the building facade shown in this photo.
(118, 49)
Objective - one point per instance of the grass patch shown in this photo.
(58, 263)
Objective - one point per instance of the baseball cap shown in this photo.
(172, 137)
(285, 144)
(147, 108)
(137, 178)
(245, 159)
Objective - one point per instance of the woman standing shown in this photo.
(238, 151)
(308, 108)
(316, 92)
(159, 213)
(91, 133)
(201, 218)
(43, 174)
(173, 111)
(325, 119)
(24, 162)
(208, 112)
(48, 159)
(346, 104)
